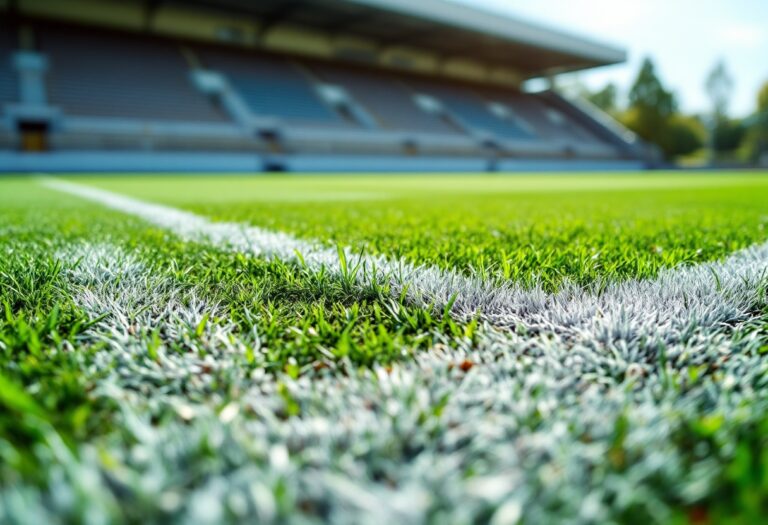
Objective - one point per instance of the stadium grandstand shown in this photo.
(293, 85)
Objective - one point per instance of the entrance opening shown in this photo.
(272, 140)
(34, 136)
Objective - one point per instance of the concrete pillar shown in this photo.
(31, 68)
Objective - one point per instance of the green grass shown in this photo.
(541, 229)
(85, 429)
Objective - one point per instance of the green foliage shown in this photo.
(682, 135)
(675, 134)
(762, 99)
(757, 136)
(649, 96)
(719, 86)
(605, 98)
(729, 135)
(652, 114)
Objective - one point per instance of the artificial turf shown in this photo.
(74, 378)
(532, 229)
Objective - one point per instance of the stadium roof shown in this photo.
(440, 26)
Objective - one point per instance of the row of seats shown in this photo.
(105, 74)
(270, 86)
(545, 120)
(472, 110)
(97, 73)
(7, 74)
(389, 101)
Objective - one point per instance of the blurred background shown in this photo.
(381, 85)
(708, 55)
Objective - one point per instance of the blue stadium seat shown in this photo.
(385, 97)
(8, 87)
(471, 109)
(271, 87)
(103, 74)
(547, 121)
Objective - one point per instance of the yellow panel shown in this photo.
(299, 40)
(466, 69)
(506, 76)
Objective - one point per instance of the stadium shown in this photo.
(297, 86)
(336, 261)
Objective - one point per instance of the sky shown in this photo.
(685, 38)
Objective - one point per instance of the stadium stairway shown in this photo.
(150, 81)
(601, 125)
(123, 92)
(271, 87)
(471, 110)
(390, 102)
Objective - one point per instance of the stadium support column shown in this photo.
(33, 117)
(551, 82)
(31, 68)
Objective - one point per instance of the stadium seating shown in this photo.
(270, 86)
(470, 109)
(7, 72)
(8, 89)
(137, 94)
(548, 122)
(385, 97)
(103, 74)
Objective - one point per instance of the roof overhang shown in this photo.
(445, 28)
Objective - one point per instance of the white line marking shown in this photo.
(138, 309)
(637, 312)
(505, 426)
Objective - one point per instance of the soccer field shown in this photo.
(384, 349)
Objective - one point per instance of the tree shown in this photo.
(758, 135)
(728, 135)
(651, 108)
(606, 98)
(719, 87)
(682, 135)
(762, 99)
(648, 94)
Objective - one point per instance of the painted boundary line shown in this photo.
(662, 310)
(503, 438)
(136, 309)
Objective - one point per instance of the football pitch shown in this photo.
(384, 349)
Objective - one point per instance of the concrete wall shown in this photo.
(296, 40)
(465, 69)
(94, 162)
(369, 163)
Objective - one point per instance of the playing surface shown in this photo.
(400, 349)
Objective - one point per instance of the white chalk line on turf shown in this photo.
(518, 413)
(159, 335)
(632, 315)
